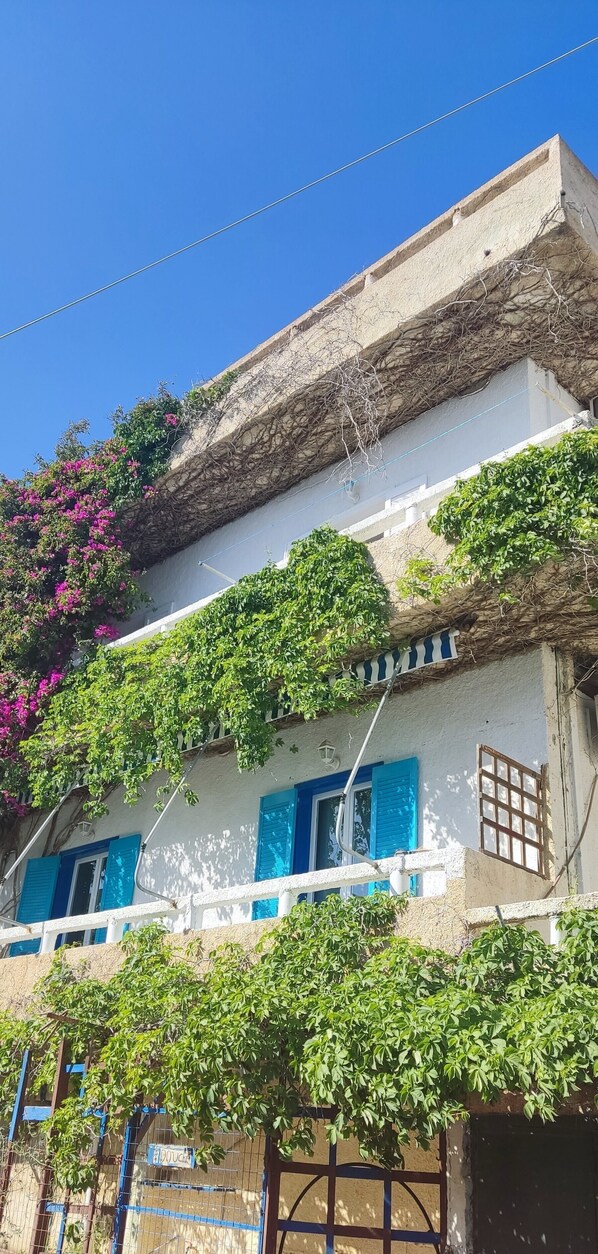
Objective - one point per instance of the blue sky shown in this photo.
(130, 128)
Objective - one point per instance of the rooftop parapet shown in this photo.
(512, 270)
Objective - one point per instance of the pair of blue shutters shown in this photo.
(41, 878)
(394, 824)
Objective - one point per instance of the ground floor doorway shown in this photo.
(535, 1185)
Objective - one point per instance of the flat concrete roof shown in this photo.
(509, 271)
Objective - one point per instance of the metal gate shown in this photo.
(150, 1196)
(335, 1203)
(167, 1204)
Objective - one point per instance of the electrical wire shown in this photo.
(30, 843)
(144, 888)
(298, 191)
(348, 849)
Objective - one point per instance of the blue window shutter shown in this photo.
(119, 882)
(275, 842)
(394, 809)
(35, 902)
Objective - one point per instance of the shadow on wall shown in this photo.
(208, 860)
(221, 859)
(449, 811)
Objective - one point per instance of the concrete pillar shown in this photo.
(459, 1190)
(286, 901)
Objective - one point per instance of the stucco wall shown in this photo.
(422, 921)
(584, 868)
(437, 922)
(213, 844)
(518, 402)
(490, 225)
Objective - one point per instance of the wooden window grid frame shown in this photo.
(519, 819)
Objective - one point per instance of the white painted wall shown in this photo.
(214, 843)
(516, 403)
(585, 768)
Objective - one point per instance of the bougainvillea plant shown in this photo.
(65, 567)
(70, 709)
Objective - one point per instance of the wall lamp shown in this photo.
(329, 755)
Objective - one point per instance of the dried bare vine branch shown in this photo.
(315, 397)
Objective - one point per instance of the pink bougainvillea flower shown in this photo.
(105, 632)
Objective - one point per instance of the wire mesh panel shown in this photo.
(23, 1163)
(170, 1205)
(37, 1216)
(511, 810)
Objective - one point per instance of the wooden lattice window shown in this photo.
(511, 810)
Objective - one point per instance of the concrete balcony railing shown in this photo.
(187, 913)
(546, 910)
(410, 509)
(422, 503)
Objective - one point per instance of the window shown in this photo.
(98, 876)
(324, 850)
(89, 876)
(296, 831)
(511, 810)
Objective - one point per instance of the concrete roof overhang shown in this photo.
(511, 271)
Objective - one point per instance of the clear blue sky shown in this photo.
(130, 127)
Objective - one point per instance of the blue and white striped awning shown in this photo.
(440, 647)
(430, 650)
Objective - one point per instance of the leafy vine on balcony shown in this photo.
(536, 507)
(274, 638)
(334, 1010)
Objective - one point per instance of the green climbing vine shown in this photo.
(273, 638)
(334, 1009)
(540, 505)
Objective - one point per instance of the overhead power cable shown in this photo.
(298, 191)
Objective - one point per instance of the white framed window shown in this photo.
(324, 849)
(89, 875)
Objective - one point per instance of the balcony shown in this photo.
(394, 521)
(423, 502)
(455, 887)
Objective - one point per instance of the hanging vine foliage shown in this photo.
(539, 506)
(334, 1010)
(274, 636)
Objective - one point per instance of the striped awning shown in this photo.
(428, 651)
(439, 647)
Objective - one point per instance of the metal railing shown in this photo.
(188, 912)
